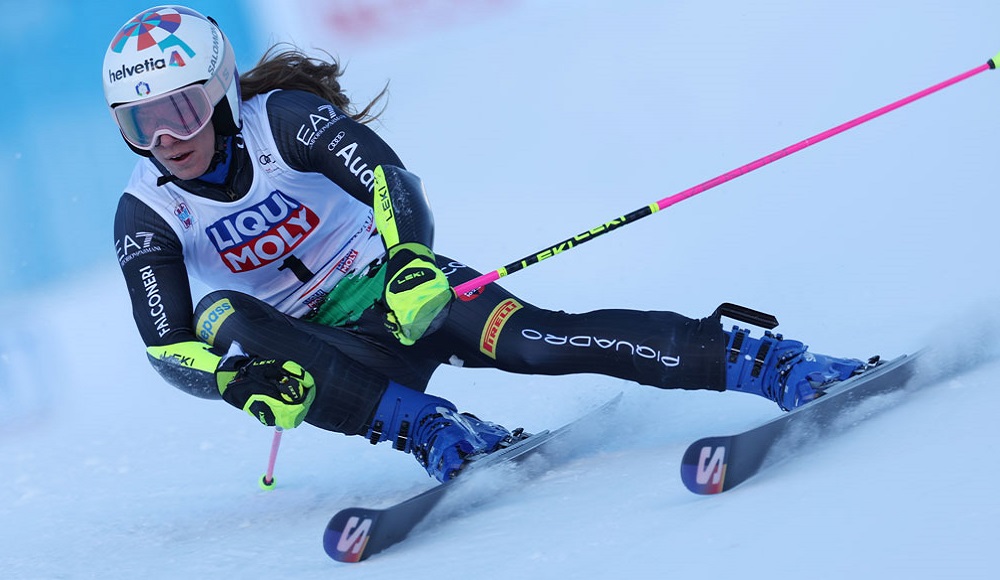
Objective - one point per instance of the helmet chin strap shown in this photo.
(166, 177)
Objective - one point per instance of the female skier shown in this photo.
(329, 304)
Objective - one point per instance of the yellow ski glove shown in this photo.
(417, 294)
(276, 393)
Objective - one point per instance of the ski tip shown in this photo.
(346, 536)
(703, 469)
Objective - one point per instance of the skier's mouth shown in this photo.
(180, 156)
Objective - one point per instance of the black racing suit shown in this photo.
(353, 364)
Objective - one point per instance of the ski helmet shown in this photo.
(169, 70)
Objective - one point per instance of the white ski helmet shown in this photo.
(170, 70)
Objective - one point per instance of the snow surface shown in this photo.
(529, 124)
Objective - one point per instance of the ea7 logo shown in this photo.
(140, 241)
(134, 245)
(711, 465)
(355, 535)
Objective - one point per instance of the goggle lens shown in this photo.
(180, 114)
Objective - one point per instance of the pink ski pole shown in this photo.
(267, 480)
(469, 290)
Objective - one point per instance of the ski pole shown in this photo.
(469, 290)
(267, 480)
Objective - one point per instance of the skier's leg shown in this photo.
(657, 348)
(500, 330)
(350, 373)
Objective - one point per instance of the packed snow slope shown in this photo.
(529, 124)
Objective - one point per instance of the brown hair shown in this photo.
(287, 67)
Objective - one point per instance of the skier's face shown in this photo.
(189, 158)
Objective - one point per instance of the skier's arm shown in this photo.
(152, 262)
(276, 392)
(417, 293)
(314, 136)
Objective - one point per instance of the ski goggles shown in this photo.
(180, 113)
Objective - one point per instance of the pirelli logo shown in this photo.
(498, 318)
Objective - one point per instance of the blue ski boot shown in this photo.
(431, 428)
(783, 371)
